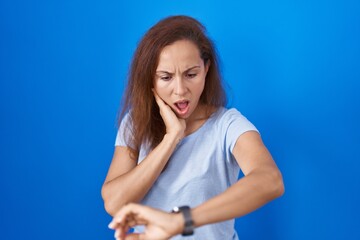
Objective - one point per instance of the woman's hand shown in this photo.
(174, 125)
(159, 225)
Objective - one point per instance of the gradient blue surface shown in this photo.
(292, 67)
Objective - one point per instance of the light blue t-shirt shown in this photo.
(201, 167)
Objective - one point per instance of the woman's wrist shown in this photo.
(173, 138)
(179, 223)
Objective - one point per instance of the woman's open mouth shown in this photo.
(182, 107)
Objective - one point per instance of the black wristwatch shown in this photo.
(189, 224)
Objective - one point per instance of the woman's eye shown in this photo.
(191, 75)
(165, 78)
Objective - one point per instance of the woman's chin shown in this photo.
(182, 116)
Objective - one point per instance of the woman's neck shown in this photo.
(198, 118)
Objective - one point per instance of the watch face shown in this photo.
(176, 209)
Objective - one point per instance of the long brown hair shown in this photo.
(146, 122)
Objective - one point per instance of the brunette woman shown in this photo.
(179, 148)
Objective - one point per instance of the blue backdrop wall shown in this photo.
(292, 67)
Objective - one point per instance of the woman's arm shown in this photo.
(262, 183)
(128, 182)
(131, 186)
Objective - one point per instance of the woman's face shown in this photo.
(180, 77)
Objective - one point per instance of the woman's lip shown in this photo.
(181, 101)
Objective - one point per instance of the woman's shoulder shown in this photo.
(227, 114)
(125, 120)
(225, 118)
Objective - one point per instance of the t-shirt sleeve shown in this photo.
(124, 132)
(237, 124)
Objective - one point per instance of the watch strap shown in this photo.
(189, 223)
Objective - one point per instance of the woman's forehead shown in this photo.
(182, 54)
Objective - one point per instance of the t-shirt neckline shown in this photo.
(200, 129)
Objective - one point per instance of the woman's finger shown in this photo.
(121, 232)
(126, 213)
(159, 101)
(113, 224)
(121, 216)
(167, 113)
(132, 236)
(136, 222)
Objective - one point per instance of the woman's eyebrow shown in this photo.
(190, 68)
(163, 71)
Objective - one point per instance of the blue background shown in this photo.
(292, 67)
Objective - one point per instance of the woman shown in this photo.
(178, 146)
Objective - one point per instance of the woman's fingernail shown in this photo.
(111, 225)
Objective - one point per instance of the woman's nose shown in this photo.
(179, 88)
